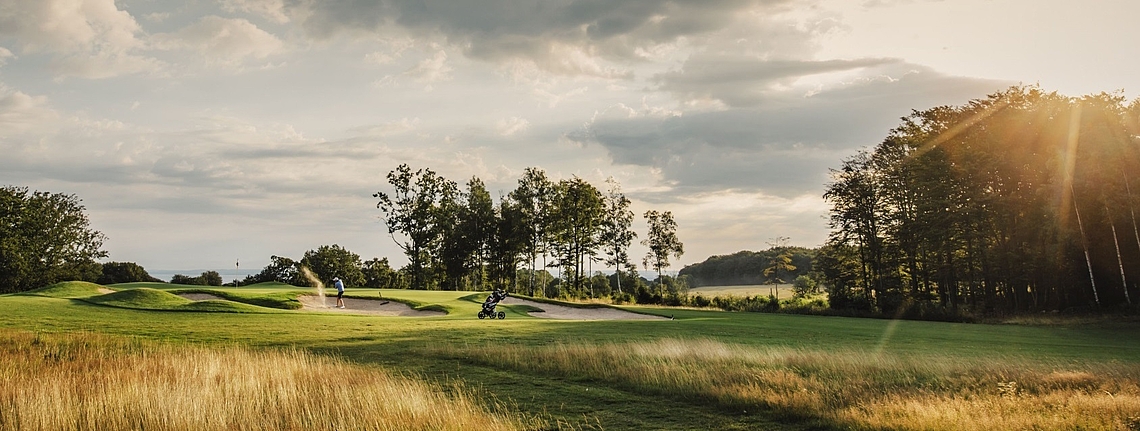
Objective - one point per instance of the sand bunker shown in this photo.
(363, 306)
(551, 311)
(199, 296)
(104, 290)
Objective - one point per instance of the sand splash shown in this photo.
(316, 282)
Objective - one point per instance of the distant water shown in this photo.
(228, 275)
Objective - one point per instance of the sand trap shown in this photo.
(104, 290)
(363, 306)
(551, 311)
(199, 296)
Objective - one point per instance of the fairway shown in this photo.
(703, 370)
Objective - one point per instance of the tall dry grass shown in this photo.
(852, 390)
(91, 382)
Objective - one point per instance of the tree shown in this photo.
(534, 196)
(378, 274)
(780, 264)
(280, 269)
(414, 210)
(662, 241)
(576, 219)
(329, 261)
(616, 234)
(124, 272)
(208, 278)
(45, 238)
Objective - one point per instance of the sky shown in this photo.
(207, 133)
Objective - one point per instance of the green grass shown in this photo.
(68, 289)
(433, 347)
(157, 300)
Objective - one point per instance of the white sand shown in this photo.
(199, 296)
(104, 290)
(551, 311)
(363, 306)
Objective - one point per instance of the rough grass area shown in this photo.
(92, 382)
(849, 390)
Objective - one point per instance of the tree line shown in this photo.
(462, 239)
(1020, 201)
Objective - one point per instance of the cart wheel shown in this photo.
(481, 315)
(502, 315)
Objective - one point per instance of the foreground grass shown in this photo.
(93, 382)
(849, 390)
(899, 365)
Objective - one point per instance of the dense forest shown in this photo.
(1020, 201)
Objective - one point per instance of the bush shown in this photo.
(124, 272)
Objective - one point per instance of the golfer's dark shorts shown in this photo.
(339, 295)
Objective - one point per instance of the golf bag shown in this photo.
(489, 305)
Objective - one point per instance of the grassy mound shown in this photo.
(278, 300)
(151, 299)
(68, 289)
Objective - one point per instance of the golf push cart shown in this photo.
(489, 305)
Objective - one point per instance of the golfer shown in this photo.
(339, 292)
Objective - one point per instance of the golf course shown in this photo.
(78, 355)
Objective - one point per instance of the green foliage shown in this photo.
(804, 286)
(45, 238)
(378, 274)
(329, 261)
(208, 278)
(280, 270)
(662, 241)
(417, 209)
(124, 272)
(1012, 203)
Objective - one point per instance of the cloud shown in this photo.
(743, 81)
(273, 10)
(223, 40)
(510, 126)
(568, 37)
(86, 38)
(780, 143)
(20, 112)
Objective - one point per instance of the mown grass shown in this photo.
(96, 382)
(68, 289)
(849, 390)
(150, 299)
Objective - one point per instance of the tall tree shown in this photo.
(45, 238)
(533, 196)
(662, 242)
(414, 210)
(616, 234)
(577, 217)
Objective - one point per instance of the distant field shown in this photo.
(743, 290)
(704, 370)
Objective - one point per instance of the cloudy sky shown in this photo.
(200, 132)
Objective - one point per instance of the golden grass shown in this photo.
(852, 390)
(91, 382)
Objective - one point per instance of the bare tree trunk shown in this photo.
(1085, 244)
(1135, 231)
(1119, 260)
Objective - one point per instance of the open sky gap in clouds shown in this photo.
(200, 132)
